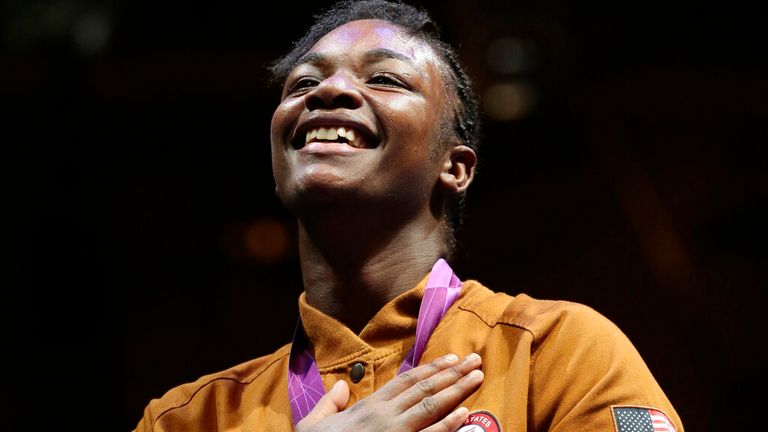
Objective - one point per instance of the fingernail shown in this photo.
(461, 412)
(472, 358)
(450, 358)
(475, 375)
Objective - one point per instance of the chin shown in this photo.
(310, 195)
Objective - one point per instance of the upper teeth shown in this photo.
(330, 134)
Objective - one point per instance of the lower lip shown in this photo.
(328, 148)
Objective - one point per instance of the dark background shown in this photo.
(624, 166)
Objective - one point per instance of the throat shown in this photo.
(351, 272)
(352, 307)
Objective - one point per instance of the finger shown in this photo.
(437, 382)
(451, 422)
(431, 408)
(331, 403)
(407, 379)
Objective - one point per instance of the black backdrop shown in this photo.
(625, 168)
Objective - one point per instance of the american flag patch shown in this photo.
(637, 419)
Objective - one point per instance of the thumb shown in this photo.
(331, 403)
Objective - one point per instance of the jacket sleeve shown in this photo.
(585, 370)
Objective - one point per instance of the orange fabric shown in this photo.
(549, 366)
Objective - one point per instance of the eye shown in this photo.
(387, 80)
(303, 83)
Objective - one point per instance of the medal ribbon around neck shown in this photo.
(305, 387)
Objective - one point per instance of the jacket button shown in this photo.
(357, 372)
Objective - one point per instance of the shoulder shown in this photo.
(578, 359)
(541, 318)
(233, 379)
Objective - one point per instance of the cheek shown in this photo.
(278, 125)
(412, 123)
(278, 134)
(405, 105)
(285, 116)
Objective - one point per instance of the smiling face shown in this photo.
(359, 121)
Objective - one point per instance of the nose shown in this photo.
(336, 91)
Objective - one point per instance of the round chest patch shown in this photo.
(480, 421)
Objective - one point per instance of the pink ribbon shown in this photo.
(305, 387)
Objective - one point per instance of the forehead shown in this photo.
(367, 35)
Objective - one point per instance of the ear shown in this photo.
(458, 169)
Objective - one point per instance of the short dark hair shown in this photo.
(417, 22)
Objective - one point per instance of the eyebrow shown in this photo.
(383, 53)
(371, 55)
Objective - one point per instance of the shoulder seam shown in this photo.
(521, 326)
(213, 380)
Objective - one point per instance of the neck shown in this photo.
(350, 270)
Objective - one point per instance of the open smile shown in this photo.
(334, 135)
(337, 132)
